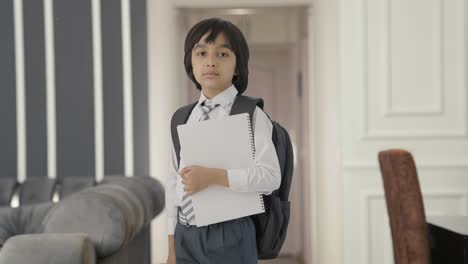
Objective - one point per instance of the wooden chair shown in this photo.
(405, 207)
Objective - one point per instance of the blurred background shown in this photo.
(88, 89)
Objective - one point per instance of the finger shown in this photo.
(186, 182)
(186, 175)
(185, 170)
(188, 190)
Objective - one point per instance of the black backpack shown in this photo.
(271, 226)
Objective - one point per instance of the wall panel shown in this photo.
(8, 152)
(35, 88)
(74, 88)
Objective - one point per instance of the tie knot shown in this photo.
(206, 107)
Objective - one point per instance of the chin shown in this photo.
(212, 86)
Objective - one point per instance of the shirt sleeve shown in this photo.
(265, 177)
(171, 182)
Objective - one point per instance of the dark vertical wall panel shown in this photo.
(35, 88)
(112, 87)
(140, 87)
(74, 88)
(8, 152)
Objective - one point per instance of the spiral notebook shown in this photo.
(227, 144)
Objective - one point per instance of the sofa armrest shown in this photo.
(48, 249)
(111, 214)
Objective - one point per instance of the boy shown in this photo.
(216, 60)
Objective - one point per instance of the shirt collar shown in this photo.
(223, 99)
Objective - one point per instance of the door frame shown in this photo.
(324, 212)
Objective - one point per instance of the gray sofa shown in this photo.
(105, 223)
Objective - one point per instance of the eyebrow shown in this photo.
(201, 45)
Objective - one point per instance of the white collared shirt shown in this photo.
(265, 177)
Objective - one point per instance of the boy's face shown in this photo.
(213, 64)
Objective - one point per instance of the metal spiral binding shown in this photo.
(262, 201)
(252, 140)
(252, 144)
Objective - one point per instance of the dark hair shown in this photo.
(235, 38)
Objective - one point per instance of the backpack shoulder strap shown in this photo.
(246, 104)
(180, 117)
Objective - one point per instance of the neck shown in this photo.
(213, 92)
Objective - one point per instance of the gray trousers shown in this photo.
(223, 243)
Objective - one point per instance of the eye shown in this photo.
(223, 54)
(201, 53)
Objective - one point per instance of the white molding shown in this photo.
(127, 88)
(20, 91)
(365, 224)
(325, 147)
(366, 199)
(311, 238)
(50, 88)
(98, 91)
(436, 109)
(387, 243)
(370, 133)
(373, 195)
(445, 165)
(402, 134)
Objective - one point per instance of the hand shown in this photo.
(196, 178)
(171, 259)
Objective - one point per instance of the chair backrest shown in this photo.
(405, 207)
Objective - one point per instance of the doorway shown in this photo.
(277, 41)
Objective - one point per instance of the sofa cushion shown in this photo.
(36, 190)
(73, 184)
(7, 187)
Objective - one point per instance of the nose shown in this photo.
(211, 61)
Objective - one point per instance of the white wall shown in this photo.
(403, 84)
(163, 80)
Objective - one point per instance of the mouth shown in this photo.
(210, 74)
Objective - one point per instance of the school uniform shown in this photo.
(231, 241)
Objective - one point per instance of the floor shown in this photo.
(277, 261)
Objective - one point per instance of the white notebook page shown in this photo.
(220, 143)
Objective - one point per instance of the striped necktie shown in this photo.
(186, 214)
(206, 108)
